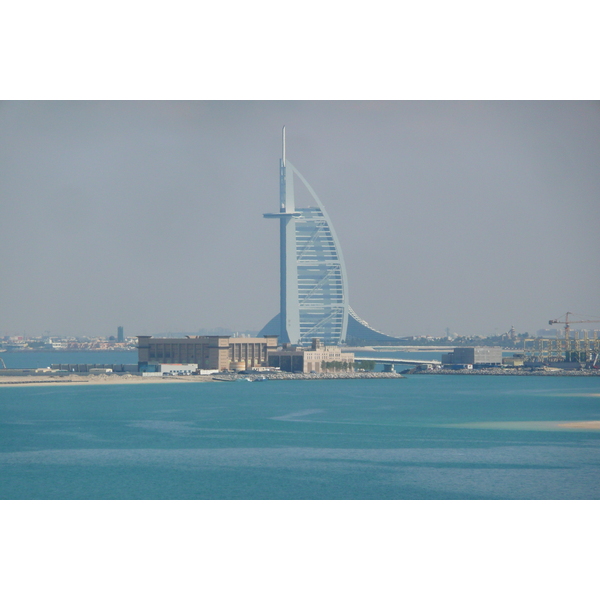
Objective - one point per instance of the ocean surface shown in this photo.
(39, 360)
(423, 437)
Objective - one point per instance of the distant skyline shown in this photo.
(472, 216)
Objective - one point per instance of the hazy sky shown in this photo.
(470, 215)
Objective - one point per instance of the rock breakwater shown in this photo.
(307, 376)
(509, 372)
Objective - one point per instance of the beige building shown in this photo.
(208, 352)
(513, 361)
(306, 360)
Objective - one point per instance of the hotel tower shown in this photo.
(313, 283)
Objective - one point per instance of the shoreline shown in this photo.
(284, 376)
(14, 381)
(129, 379)
(508, 372)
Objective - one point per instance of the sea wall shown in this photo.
(307, 376)
(508, 372)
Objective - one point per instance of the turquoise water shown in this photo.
(40, 360)
(423, 437)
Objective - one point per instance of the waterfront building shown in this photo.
(313, 284)
(513, 361)
(120, 336)
(316, 359)
(215, 352)
(475, 355)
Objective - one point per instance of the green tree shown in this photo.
(367, 365)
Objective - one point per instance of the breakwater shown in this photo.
(508, 372)
(306, 376)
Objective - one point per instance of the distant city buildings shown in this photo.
(549, 333)
(60, 343)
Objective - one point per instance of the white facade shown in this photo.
(169, 369)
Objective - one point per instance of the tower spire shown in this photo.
(283, 146)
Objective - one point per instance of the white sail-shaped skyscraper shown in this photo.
(313, 282)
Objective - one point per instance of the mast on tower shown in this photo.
(283, 146)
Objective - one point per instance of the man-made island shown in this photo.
(37, 379)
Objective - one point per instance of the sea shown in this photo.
(39, 360)
(424, 437)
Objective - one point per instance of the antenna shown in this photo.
(283, 145)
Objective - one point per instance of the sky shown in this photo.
(469, 215)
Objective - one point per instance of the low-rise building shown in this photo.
(474, 355)
(317, 358)
(214, 352)
(513, 361)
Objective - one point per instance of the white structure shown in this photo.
(168, 369)
(313, 283)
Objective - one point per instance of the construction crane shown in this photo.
(567, 322)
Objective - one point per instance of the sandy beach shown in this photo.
(129, 378)
(530, 425)
(13, 381)
(581, 425)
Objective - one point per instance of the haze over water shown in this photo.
(424, 437)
